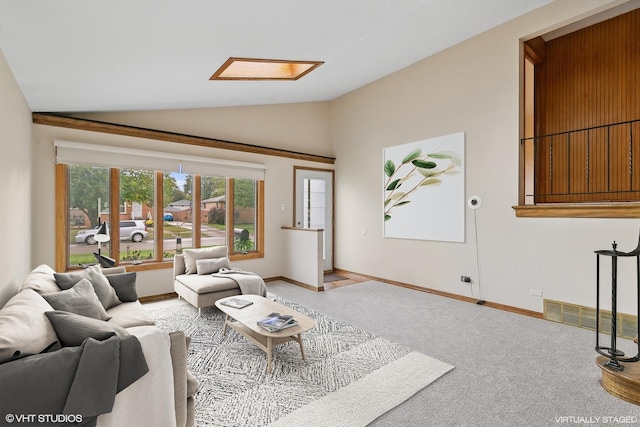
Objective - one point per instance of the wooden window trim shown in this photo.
(62, 217)
(230, 222)
(581, 210)
(196, 206)
(114, 211)
(158, 223)
(259, 231)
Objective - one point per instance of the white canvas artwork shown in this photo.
(423, 189)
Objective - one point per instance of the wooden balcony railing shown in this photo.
(591, 165)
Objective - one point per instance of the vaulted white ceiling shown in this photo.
(123, 55)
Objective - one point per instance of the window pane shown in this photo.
(314, 201)
(136, 203)
(213, 215)
(88, 197)
(314, 194)
(170, 193)
(176, 212)
(244, 215)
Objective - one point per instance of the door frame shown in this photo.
(333, 204)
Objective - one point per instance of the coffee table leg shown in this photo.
(224, 328)
(269, 348)
(301, 348)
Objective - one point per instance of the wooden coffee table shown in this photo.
(246, 323)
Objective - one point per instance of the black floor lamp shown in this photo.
(102, 236)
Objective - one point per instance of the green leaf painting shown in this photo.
(389, 168)
(419, 163)
(394, 184)
(430, 169)
(412, 156)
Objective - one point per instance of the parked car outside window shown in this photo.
(167, 216)
(134, 230)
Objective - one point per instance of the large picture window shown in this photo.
(150, 214)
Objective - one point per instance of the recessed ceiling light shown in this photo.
(264, 69)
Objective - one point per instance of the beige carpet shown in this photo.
(362, 401)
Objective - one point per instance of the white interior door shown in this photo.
(314, 206)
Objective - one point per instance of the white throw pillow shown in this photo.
(41, 280)
(23, 325)
(192, 255)
(211, 265)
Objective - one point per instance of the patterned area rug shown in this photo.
(349, 377)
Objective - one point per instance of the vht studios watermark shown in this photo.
(43, 418)
(593, 420)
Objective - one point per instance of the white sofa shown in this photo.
(203, 276)
(163, 396)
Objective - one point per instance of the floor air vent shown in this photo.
(585, 317)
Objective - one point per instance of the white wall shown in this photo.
(15, 185)
(302, 253)
(258, 123)
(472, 88)
(294, 127)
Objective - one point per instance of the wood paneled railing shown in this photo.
(591, 165)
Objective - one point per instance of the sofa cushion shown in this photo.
(206, 284)
(193, 386)
(106, 294)
(113, 270)
(129, 314)
(179, 354)
(80, 299)
(125, 286)
(24, 326)
(72, 329)
(191, 255)
(41, 280)
(211, 265)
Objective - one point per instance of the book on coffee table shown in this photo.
(276, 321)
(236, 302)
(287, 325)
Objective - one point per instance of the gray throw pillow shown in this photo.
(81, 299)
(125, 285)
(211, 265)
(73, 329)
(106, 294)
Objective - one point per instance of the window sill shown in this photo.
(147, 266)
(581, 210)
(248, 255)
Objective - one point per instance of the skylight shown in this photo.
(264, 69)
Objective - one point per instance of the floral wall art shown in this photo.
(423, 189)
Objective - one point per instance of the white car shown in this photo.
(134, 230)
